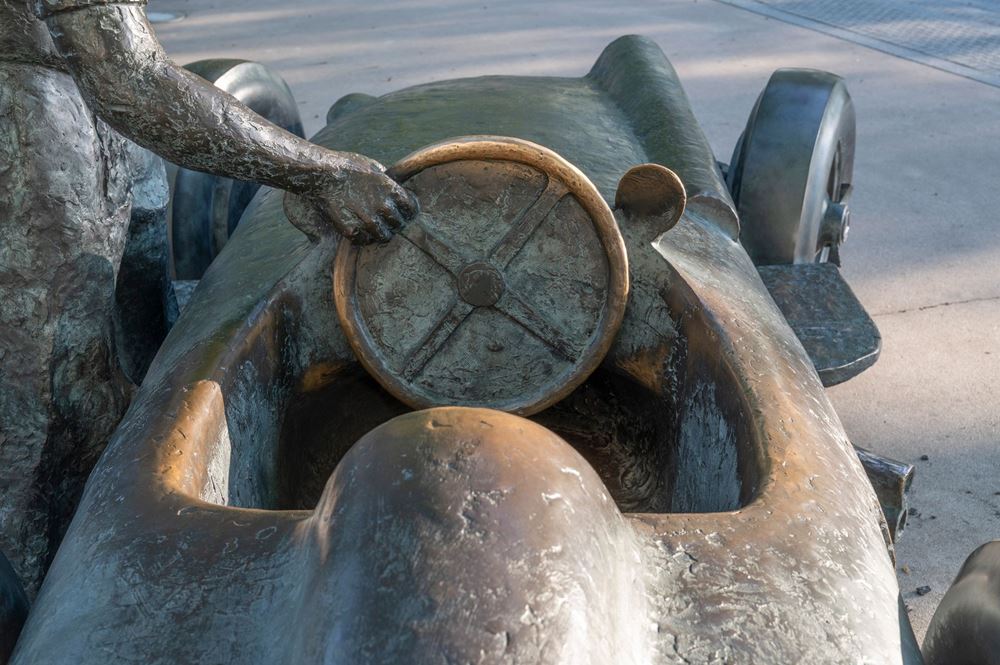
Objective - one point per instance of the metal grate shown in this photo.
(958, 36)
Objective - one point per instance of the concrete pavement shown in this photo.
(924, 251)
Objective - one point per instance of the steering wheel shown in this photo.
(505, 291)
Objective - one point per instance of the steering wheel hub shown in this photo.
(480, 284)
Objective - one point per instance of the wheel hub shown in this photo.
(480, 284)
(836, 224)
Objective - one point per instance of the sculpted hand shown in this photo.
(360, 201)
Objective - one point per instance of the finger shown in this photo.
(405, 201)
(374, 227)
(351, 226)
(390, 215)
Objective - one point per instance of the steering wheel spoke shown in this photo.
(436, 249)
(536, 323)
(527, 223)
(436, 338)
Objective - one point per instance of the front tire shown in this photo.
(792, 169)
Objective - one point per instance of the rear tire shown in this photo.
(792, 169)
(965, 629)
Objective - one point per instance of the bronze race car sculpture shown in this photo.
(622, 450)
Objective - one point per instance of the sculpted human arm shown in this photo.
(129, 81)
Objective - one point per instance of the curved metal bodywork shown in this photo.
(741, 513)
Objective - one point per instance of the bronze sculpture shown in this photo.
(77, 333)
(694, 499)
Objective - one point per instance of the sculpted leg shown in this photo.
(64, 210)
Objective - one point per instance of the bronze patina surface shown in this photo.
(694, 500)
(504, 292)
(834, 328)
